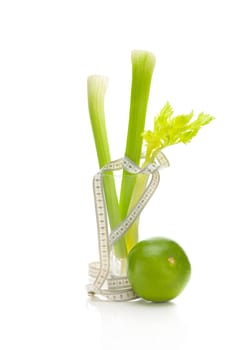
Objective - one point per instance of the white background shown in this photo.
(47, 160)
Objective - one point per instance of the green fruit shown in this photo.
(158, 269)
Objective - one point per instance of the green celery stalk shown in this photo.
(96, 89)
(143, 63)
(139, 187)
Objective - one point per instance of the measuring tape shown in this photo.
(105, 284)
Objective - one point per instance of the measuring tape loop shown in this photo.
(105, 284)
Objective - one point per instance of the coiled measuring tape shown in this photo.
(105, 284)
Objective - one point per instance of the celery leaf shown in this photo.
(170, 130)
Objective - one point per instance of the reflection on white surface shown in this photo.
(138, 324)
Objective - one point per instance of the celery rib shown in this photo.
(96, 89)
(143, 63)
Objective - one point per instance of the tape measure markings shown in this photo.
(105, 284)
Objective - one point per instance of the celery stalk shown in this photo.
(139, 187)
(143, 63)
(96, 88)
